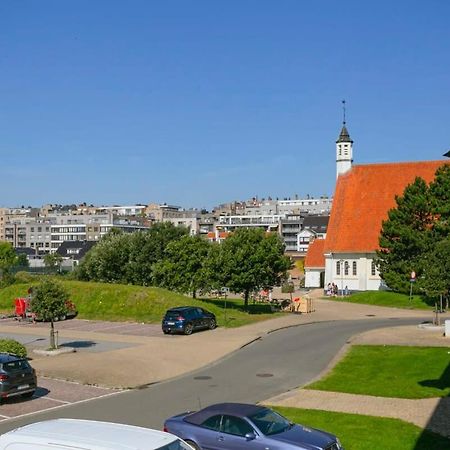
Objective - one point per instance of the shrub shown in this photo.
(24, 277)
(12, 346)
(287, 287)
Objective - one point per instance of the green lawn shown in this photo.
(357, 432)
(386, 298)
(116, 302)
(391, 371)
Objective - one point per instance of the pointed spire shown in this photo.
(344, 136)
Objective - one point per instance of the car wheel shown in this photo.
(27, 395)
(192, 444)
(166, 331)
(188, 329)
(62, 318)
(212, 324)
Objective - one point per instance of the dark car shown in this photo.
(187, 319)
(17, 377)
(241, 426)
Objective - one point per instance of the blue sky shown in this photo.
(196, 103)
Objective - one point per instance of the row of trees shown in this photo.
(166, 256)
(416, 237)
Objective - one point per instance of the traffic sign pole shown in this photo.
(412, 279)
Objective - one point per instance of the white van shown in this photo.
(59, 434)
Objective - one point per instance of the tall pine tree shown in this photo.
(405, 237)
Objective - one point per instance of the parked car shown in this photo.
(242, 426)
(59, 434)
(17, 377)
(187, 319)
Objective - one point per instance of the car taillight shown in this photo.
(3, 377)
(165, 429)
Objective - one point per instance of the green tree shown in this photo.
(53, 260)
(439, 193)
(148, 248)
(184, 267)
(406, 237)
(107, 261)
(8, 259)
(48, 302)
(436, 277)
(129, 257)
(248, 260)
(22, 260)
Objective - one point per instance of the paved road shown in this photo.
(277, 363)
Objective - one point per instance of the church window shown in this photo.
(373, 269)
(354, 268)
(346, 267)
(338, 267)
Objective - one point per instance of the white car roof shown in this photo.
(87, 434)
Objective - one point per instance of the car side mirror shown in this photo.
(250, 436)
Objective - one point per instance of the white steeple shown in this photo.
(344, 149)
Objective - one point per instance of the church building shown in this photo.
(363, 196)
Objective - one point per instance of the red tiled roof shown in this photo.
(362, 199)
(314, 255)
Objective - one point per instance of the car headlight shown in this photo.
(339, 445)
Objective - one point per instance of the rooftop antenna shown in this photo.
(343, 111)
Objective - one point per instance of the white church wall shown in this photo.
(312, 278)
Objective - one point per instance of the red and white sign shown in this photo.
(413, 275)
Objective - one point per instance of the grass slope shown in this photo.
(386, 298)
(358, 432)
(391, 371)
(116, 302)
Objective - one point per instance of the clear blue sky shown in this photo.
(195, 102)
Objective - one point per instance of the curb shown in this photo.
(55, 352)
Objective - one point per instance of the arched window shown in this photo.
(354, 268)
(346, 266)
(338, 267)
(373, 270)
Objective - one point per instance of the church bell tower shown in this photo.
(344, 149)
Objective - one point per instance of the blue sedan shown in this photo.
(246, 427)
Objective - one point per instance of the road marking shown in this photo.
(56, 400)
(64, 405)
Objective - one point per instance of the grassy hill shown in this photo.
(117, 302)
(388, 298)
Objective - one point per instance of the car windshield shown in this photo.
(269, 422)
(176, 445)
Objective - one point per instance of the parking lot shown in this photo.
(97, 326)
(51, 394)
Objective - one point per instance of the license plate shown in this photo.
(23, 386)
(170, 323)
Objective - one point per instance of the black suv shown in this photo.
(17, 377)
(186, 319)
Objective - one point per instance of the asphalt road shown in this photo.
(279, 362)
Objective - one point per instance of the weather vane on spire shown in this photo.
(343, 110)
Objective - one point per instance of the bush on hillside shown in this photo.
(12, 346)
(24, 277)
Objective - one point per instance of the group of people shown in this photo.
(333, 290)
